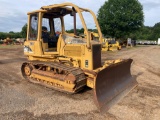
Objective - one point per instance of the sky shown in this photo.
(13, 13)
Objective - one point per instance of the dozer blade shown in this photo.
(112, 84)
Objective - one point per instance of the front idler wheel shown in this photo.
(26, 70)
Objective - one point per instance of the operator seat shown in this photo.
(45, 38)
(45, 34)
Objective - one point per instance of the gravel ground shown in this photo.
(20, 99)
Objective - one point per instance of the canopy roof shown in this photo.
(59, 9)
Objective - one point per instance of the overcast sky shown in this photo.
(13, 13)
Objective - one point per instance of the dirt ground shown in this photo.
(20, 99)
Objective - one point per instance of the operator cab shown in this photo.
(52, 28)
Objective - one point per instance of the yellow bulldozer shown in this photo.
(68, 62)
(108, 44)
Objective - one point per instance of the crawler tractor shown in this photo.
(68, 62)
(111, 45)
(108, 44)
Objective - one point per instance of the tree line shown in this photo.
(11, 34)
(147, 33)
(144, 33)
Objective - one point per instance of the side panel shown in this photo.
(33, 48)
(96, 55)
(74, 51)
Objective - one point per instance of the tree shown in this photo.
(119, 18)
(24, 31)
(11, 34)
(156, 31)
(145, 33)
(2, 35)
